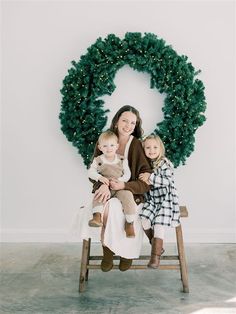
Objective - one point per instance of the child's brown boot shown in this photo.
(96, 221)
(156, 253)
(107, 259)
(129, 229)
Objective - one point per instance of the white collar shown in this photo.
(106, 161)
(127, 146)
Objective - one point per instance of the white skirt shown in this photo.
(114, 237)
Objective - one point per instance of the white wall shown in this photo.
(44, 179)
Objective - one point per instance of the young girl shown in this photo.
(161, 207)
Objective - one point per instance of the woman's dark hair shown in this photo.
(138, 131)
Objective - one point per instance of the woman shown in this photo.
(127, 126)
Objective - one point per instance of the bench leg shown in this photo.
(87, 272)
(84, 263)
(182, 260)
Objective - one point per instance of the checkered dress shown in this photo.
(161, 202)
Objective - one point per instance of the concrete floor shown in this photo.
(43, 278)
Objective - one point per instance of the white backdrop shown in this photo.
(44, 180)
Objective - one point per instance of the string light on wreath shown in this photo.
(83, 116)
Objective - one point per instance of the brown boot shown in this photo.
(125, 264)
(107, 259)
(96, 221)
(129, 229)
(149, 234)
(155, 253)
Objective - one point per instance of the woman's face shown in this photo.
(126, 123)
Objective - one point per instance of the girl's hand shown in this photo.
(145, 177)
(102, 194)
(103, 180)
(116, 185)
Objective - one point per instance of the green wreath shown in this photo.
(83, 116)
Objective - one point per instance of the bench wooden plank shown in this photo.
(142, 257)
(135, 267)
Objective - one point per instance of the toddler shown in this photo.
(109, 165)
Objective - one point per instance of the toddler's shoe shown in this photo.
(96, 221)
(129, 229)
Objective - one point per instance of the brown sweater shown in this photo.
(138, 164)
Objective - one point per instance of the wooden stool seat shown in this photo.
(181, 265)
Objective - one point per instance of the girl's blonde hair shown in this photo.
(161, 156)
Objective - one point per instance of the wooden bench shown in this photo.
(87, 260)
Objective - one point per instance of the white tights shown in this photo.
(159, 230)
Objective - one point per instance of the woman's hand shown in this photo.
(102, 194)
(116, 185)
(145, 177)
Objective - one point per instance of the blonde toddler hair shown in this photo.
(107, 135)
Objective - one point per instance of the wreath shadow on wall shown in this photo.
(83, 116)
